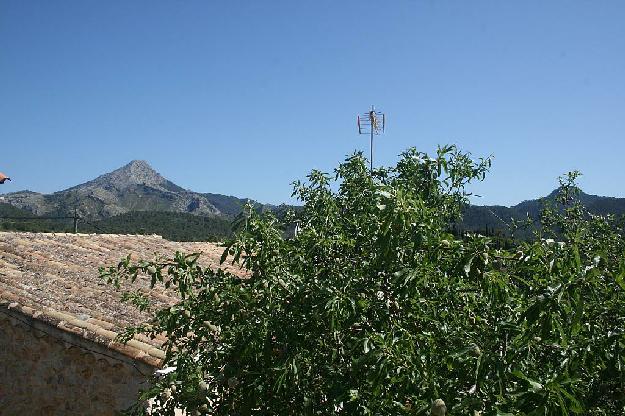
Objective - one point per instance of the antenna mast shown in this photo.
(372, 123)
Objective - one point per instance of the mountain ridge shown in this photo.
(498, 217)
(135, 186)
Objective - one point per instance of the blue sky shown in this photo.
(242, 98)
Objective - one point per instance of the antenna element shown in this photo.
(372, 123)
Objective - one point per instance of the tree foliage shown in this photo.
(375, 308)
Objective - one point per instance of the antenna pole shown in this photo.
(371, 140)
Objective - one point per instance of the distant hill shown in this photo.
(496, 217)
(131, 188)
(137, 199)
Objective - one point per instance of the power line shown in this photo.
(37, 218)
(75, 217)
(93, 225)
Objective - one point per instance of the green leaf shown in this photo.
(536, 386)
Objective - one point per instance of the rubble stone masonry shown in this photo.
(45, 370)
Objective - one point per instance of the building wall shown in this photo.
(47, 371)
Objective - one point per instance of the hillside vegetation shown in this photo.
(170, 225)
(15, 219)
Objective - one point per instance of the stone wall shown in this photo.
(47, 371)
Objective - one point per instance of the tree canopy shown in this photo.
(374, 307)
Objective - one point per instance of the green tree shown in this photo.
(374, 307)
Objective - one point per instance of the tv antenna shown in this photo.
(372, 123)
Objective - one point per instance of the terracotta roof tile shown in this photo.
(54, 278)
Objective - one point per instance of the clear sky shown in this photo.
(243, 97)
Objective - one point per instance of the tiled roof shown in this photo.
(54, 278)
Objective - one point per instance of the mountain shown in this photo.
(134, 187)
(138, 188)
(496, 217)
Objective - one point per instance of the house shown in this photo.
(59, 320)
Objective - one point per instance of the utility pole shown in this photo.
(75, 221)
(372, 123)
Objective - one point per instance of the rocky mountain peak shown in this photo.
(140, 171)
(138, 165)
(135, 186)
(137, 172)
